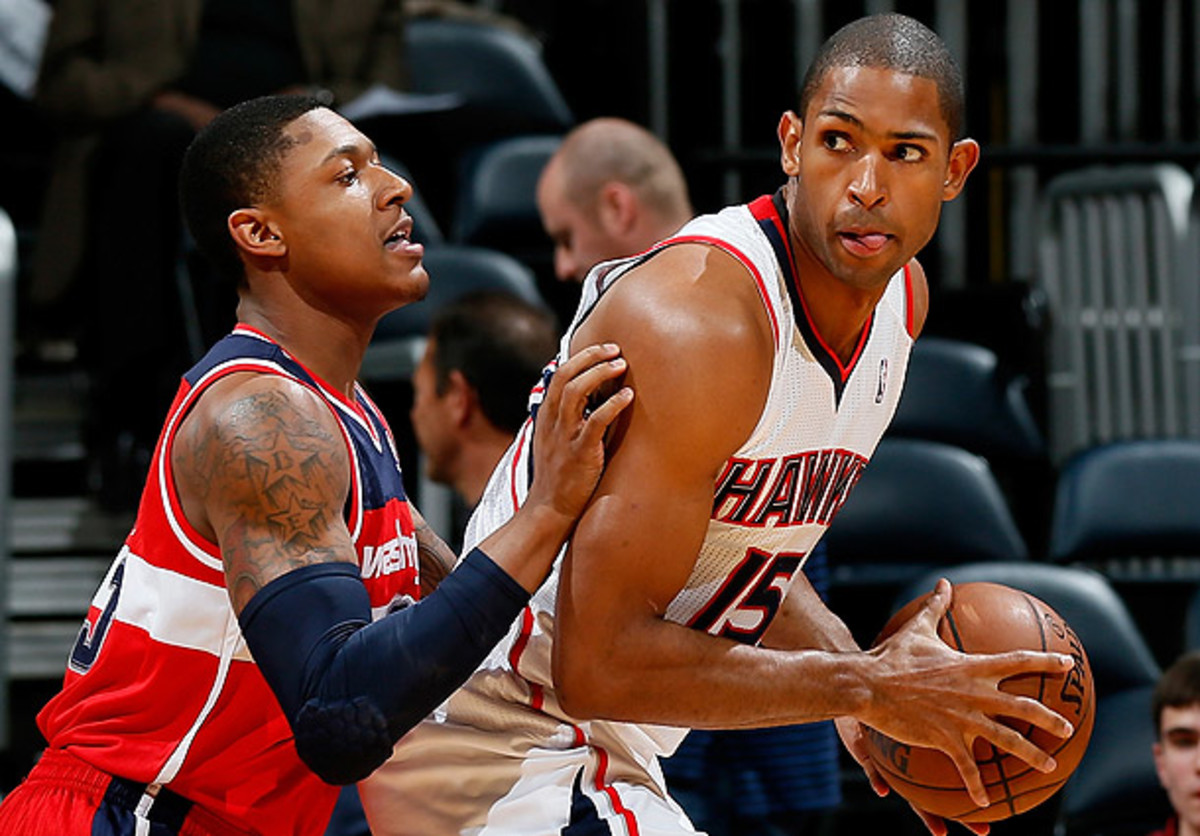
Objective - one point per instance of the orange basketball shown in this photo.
(992, 618)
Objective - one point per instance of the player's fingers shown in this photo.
(584, 385)
(980, 828)
(606, 413)
(1002, 737)
(936, 605)
(935, 824)
(567, 378)
(851, 732)
(964, 761)
(1034, 661)
(1032, 711)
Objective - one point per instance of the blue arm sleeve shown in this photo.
(351, 688)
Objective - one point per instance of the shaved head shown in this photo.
(891, 42)
(609, 149)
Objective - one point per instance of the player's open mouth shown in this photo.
(399, 239)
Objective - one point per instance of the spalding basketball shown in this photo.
(992, 618)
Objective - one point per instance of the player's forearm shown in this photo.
(525, 546)
(805, 622)
(672, 675)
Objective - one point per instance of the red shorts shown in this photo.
(63, 796)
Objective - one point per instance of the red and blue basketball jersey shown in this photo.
(160, 687)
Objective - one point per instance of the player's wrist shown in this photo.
(526, 546)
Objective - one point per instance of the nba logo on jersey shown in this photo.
(883, 371)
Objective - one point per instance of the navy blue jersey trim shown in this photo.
(784, 256)
(776, 233)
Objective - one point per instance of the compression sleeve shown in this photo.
(351, 688)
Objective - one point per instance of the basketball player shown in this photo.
(613, 189)
(229, 671)
(1177, 744)
(768, 346)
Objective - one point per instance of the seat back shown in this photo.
(921, 504)
(498, 72)
(1128, 499)
(1111, 244)
(496, 204)
(454, 270)
(954, 391)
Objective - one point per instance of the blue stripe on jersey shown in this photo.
(381, 482)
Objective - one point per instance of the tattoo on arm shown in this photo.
(277, 482)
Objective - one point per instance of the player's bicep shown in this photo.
(270, 468)
(699, 378)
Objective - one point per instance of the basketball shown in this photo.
(992, 618)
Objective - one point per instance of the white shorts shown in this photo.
(455, 780)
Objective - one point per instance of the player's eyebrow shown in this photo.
(834, 113)
(349, 149)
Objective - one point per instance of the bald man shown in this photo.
(612, 189)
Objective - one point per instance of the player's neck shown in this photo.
(329, 348)
(838, 311)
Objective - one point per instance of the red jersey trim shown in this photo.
(909, 312)
(725, 246)
(352, 408)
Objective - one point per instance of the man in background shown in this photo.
(485, 352)
(1177, 743)
(613, 189)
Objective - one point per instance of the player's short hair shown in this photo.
(1178, 687)
(892, 42)
(499, 343)
(233, 163)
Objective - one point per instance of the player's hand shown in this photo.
(568, 442)
(855, 740)
(924, 693)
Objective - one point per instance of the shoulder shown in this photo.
(257, 401)
(694, 330)
(247, 436)
(693, 292)
(919, 285)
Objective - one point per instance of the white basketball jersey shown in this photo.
(775, 496)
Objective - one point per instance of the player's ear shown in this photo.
(791, 129)
(964, 156)
(255, 234)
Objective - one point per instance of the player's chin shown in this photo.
(415, 282)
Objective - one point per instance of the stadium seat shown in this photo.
(454, 270)
(1111, 250)
(498, 73)
(1128, 499)
(496, 204)
(1115, 790)
(919, 504)
(954, 391)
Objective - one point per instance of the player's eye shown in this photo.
(348, 177)
(908, 153)
(836, 141)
